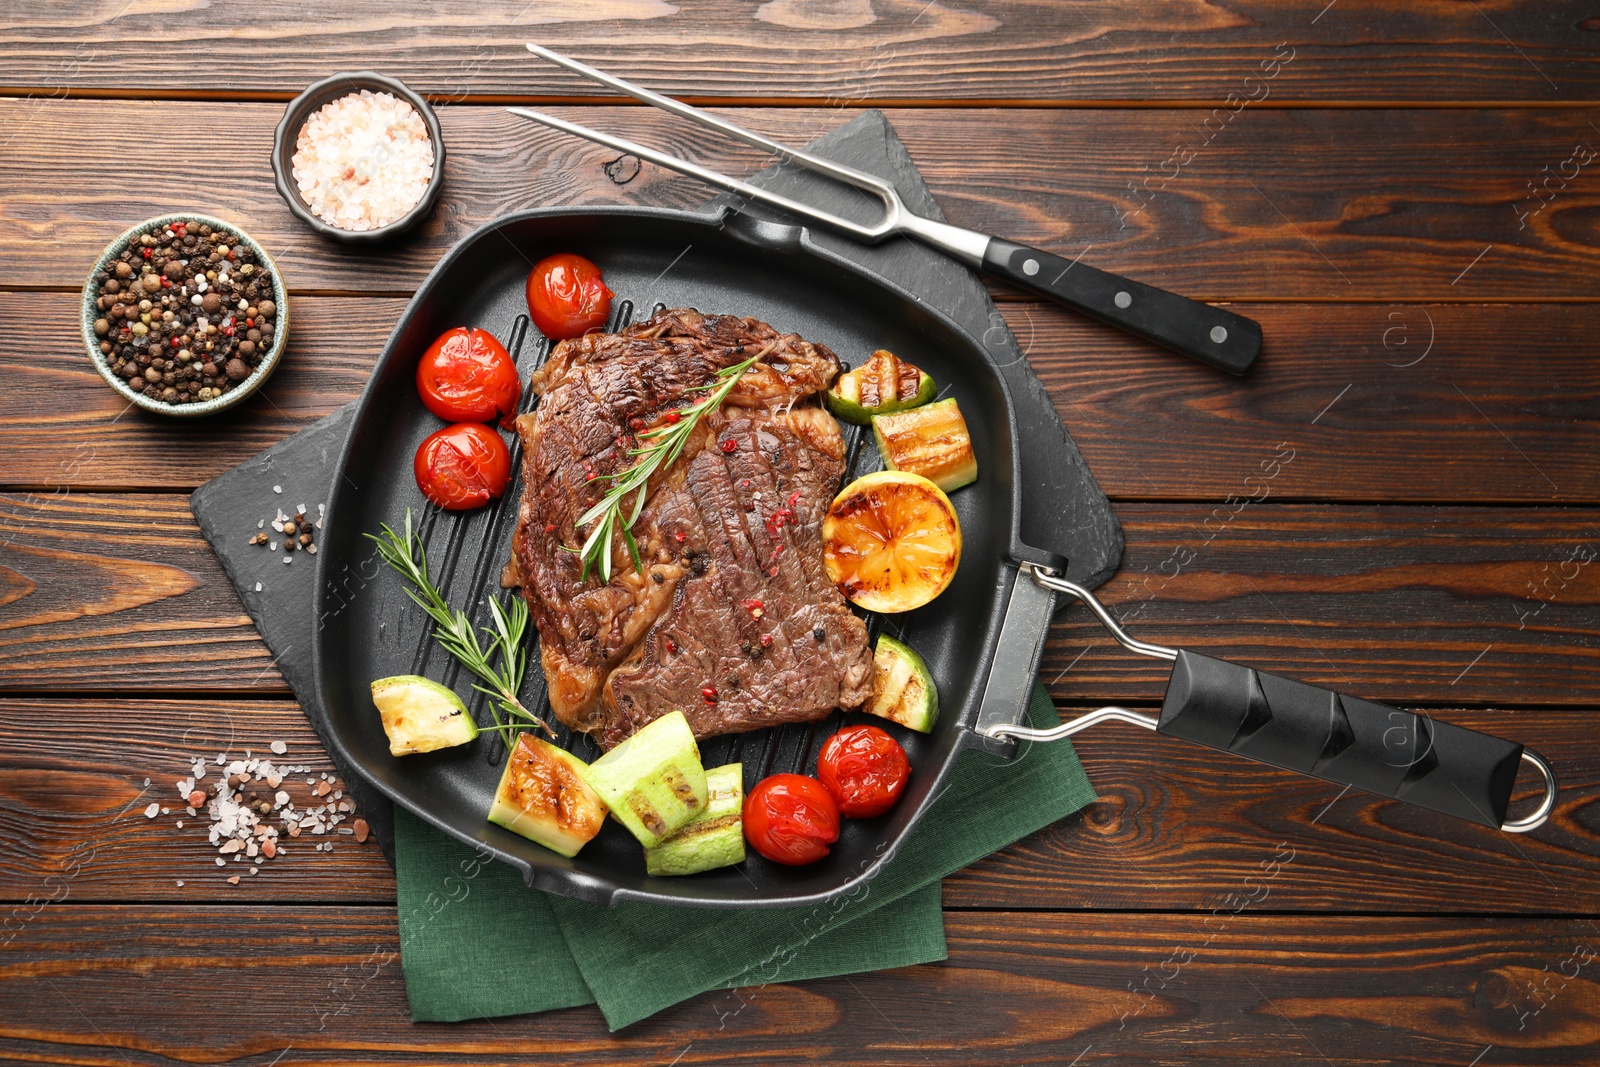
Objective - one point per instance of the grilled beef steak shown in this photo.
(732, 620)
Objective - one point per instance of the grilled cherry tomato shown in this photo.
(467, 376)
(463, 466)
(864, 770)
(790, 818)
(566, 297)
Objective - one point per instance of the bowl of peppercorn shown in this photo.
(185, 315)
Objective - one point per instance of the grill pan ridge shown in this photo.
(720, 262)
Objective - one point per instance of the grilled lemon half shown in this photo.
(891, 541)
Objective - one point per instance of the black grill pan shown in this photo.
(719, 263)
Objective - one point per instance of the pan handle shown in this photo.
(1318, 732)
(1348, 741)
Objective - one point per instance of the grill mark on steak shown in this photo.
(724, 566)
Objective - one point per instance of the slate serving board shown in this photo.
(1063, 510)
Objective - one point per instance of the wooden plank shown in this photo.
(1177, 827)
(1288, 204)
(130, 577)
(79, 775)
(1372, 410)
(1438, 606)
(1400, 605)
(1378, 402)
(838, 50)
(318, 985)
(62, 428)
(1181, 827)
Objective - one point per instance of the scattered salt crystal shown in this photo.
(221, 862)
(147, 783)
(180, 826)
(262, 525)
(363, 161)
(180, 883)
(311, 549)
(288, 559)
(258, 587)
(273, 545)
(281, 798)
(277, 489)
(279, 747)
(152, 811)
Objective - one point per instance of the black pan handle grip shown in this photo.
(1341, 739)
(1210, 334)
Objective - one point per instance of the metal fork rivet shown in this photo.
(1122, 300)
(1219, 334)
(1030, 267)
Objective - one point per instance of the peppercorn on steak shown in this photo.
(728, 614)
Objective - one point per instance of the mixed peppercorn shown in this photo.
(186, 313)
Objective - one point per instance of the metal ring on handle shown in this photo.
(1540, 814)
(1049, 579)
(1072, 726)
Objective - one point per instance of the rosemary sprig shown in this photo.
(665, 444)
(501, 664)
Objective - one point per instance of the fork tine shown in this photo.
(694, 170)
(849, 175)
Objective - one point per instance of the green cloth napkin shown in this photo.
(476, 942)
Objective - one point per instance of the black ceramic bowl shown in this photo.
(305, 105)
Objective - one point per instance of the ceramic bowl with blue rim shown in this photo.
(240, 390)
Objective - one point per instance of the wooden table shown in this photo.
(1407, 199)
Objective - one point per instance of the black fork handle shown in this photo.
(1212, 335)
(1343, 739)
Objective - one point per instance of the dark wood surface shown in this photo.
(1429, 364)
(1293, 204)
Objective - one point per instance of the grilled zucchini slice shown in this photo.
(902, 689)
(543, 796)
(420, 715)
(931, 441)
(653, 782)
(884, 383)
(715, 838)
